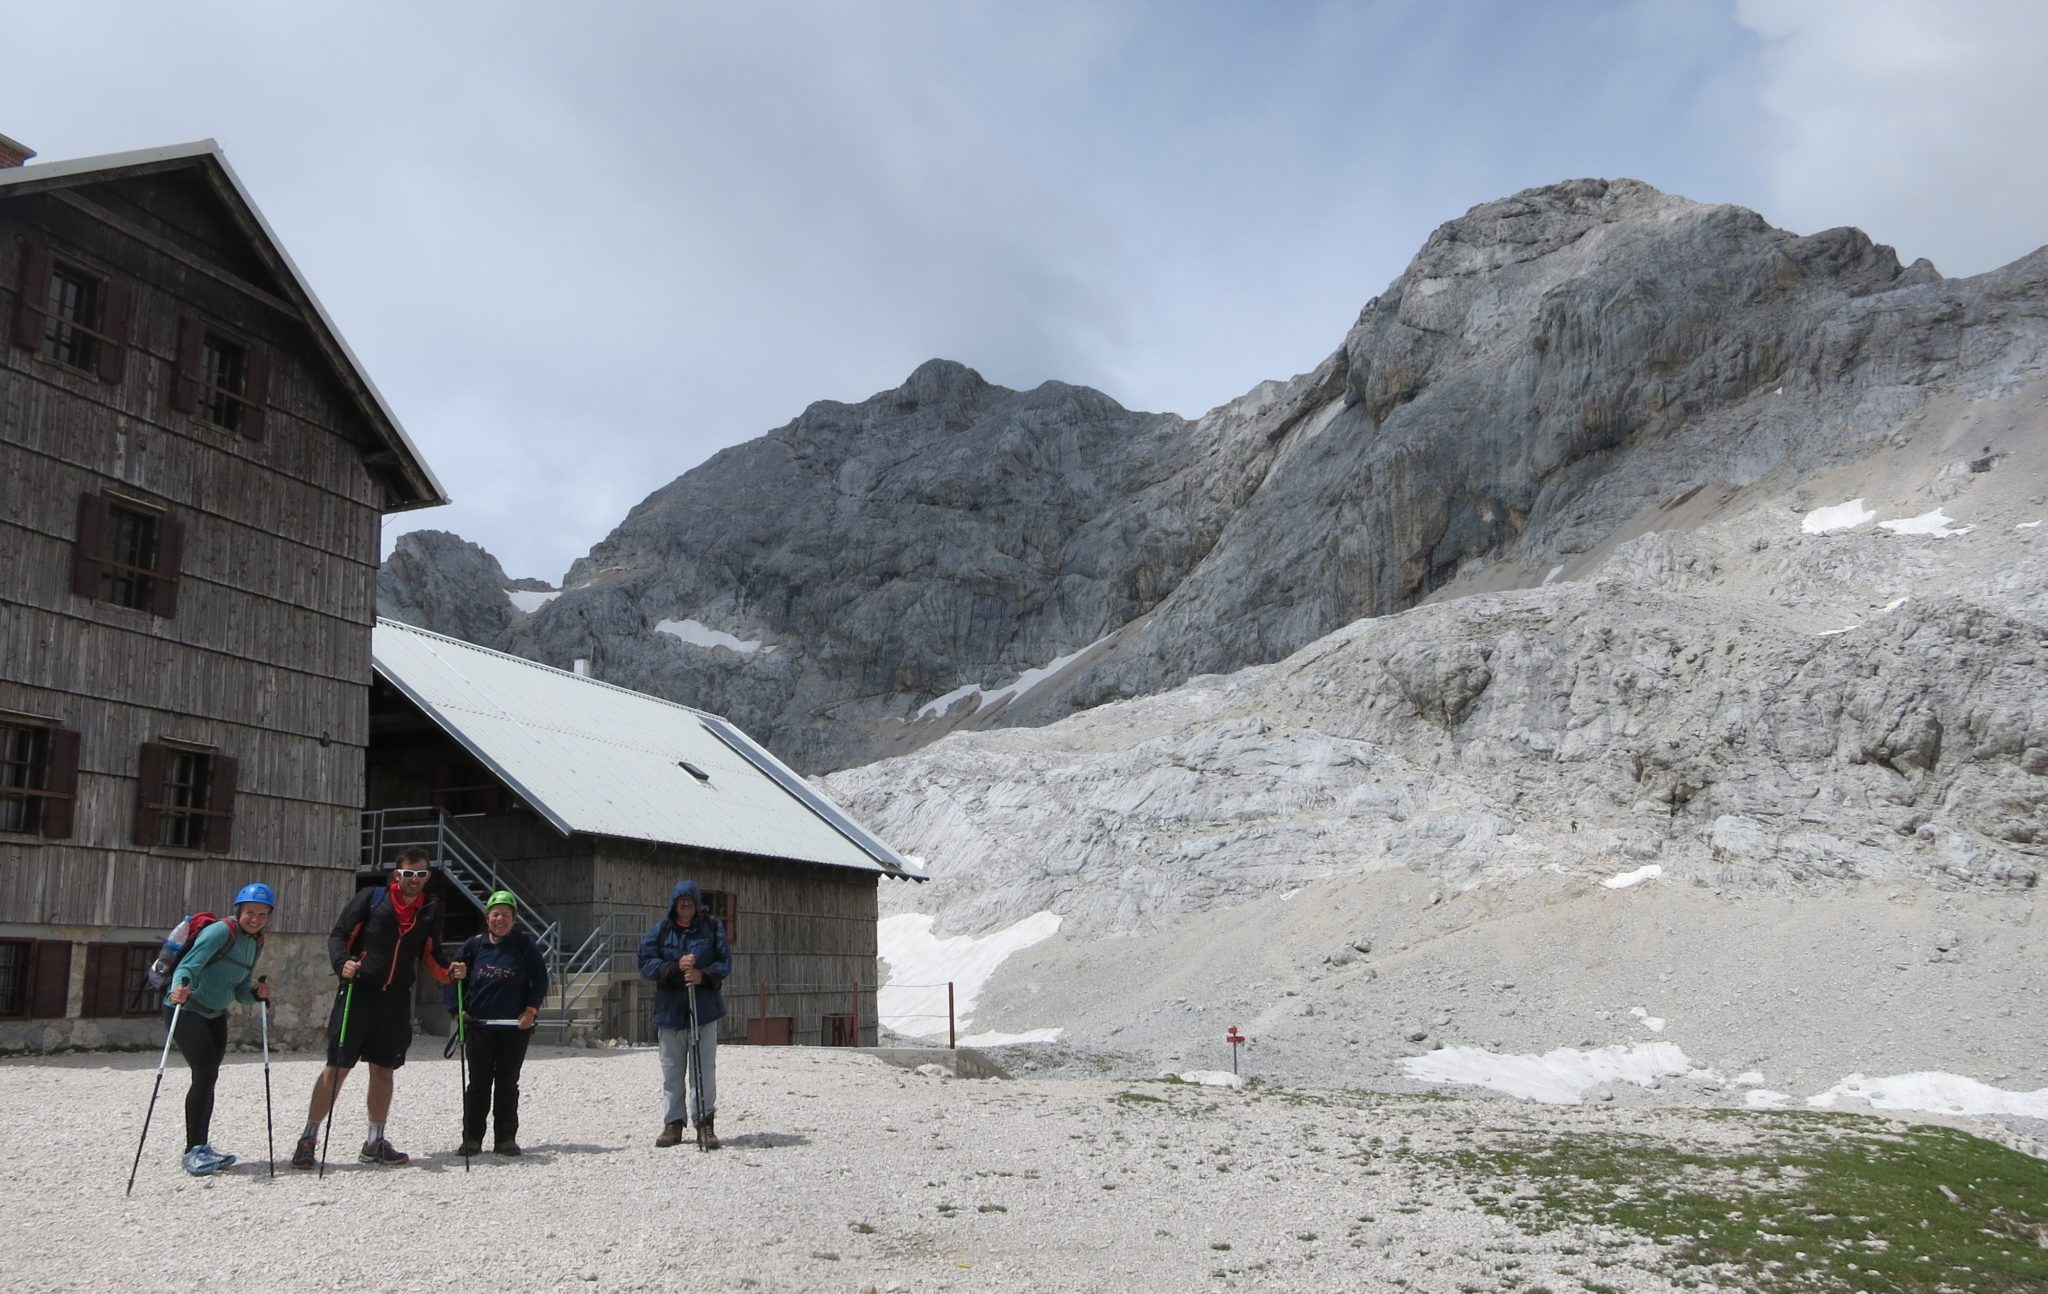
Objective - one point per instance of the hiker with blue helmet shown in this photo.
(217, 969)
(686, 956)
(505, 980)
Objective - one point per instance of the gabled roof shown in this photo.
(412, 483)
(602, 760)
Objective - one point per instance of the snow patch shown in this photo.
(698, 634)
(1211, 1078)
(1937, 524)
(1647, 872)
(1843, 516)
(531, 600)
(1654, 1023)
(1555, 571)
(1030, 678)
(1934, 1092)
(1559, 1077)
(2026, 525)
(918, 966)
(1763, 1098)
(1894, 605)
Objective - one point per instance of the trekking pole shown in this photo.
(157, 1087)
(462, 1067)
(693, 1069)
(348, 999)
(269, 1123)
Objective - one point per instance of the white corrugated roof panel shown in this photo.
(598, 759)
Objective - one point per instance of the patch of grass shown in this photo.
(1812, 1202)
(1128, 1097)
(862, 1228)
(1220, 1246)
(990, 1208)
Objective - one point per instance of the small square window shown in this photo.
(24, 776)
(137, 997)
(73, 315)
(224, 381)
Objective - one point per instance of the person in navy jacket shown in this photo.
(686, 951)
(505, 981)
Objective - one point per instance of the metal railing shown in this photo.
(473, 873)
(610, 946)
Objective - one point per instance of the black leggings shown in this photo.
(203, 1043)
(496, 1053)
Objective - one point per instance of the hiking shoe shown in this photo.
(506, 1148)
(671, 1135)
(470, 1146)
(382, 1151)
(707, 1136)
(306, 1153)
(202, 1161)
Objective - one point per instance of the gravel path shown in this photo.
(842, 1173)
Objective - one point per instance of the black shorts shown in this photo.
(379, 1027)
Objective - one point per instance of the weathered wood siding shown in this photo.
(268, 655)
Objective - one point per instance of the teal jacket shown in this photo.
(220, 967)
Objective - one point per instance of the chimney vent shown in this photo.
(581, 665)
(13, 153)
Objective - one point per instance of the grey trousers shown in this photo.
(675, 1056)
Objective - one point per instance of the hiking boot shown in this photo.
(470, 1146)
(382, 1151)
(671, 1135)
(507, 1148)
(306, 1153)
(707, 1136)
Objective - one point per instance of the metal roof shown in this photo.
(597, 759)
(205, 156)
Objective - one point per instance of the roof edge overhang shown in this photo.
(412, 483)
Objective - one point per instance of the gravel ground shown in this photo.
(842, 1172)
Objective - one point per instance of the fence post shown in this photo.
(952, 1029)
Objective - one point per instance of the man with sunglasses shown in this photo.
(381, 933)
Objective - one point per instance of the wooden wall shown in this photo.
(268, 655)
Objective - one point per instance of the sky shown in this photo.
(581, 248)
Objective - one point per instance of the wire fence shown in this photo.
(795, 1013)
(903, 1008)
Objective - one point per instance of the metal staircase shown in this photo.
(573, 974)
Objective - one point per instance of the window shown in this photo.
(128, 554)
(116, 980)
(725, 905)
(222, 379)
(185, 798)
(38, 778)
(35, 978)
(73, 315)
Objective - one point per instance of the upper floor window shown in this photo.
(185, 798)
(128, 553)
(221, 378)
(72, 314)
(38, 777)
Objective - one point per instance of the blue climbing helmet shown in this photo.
(256, 892)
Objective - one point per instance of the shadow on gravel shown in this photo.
(759, 1141)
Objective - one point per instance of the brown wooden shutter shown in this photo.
(118, 307)
(106, 980)
(149, 794)
(49, 979)
(220, 800)
(59, 804)
(86, 553)
(255, 391)
(34, 298)
(185, 380)
(170, 552)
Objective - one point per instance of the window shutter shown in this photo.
(185, 381)
(220, 800)
(35, 295)
(255, 391)
(170, 551)
(114, 317)
(149, 792)
(85, 556)
(732, 918)
(106, 980)
(63, 788)
(49, 979)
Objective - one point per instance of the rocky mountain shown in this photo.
(1551, 374)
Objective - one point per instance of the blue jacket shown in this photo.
(504, 977)
(665, 945)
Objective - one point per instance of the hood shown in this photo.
(683, 888)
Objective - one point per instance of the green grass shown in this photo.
(1812, 1202)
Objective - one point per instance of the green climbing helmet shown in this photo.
(504, 897)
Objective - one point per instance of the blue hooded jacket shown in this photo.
(665, 945)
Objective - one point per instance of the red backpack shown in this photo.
(179, 942)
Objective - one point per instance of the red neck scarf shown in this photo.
(406, 913)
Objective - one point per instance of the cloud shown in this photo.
(1918, 121)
